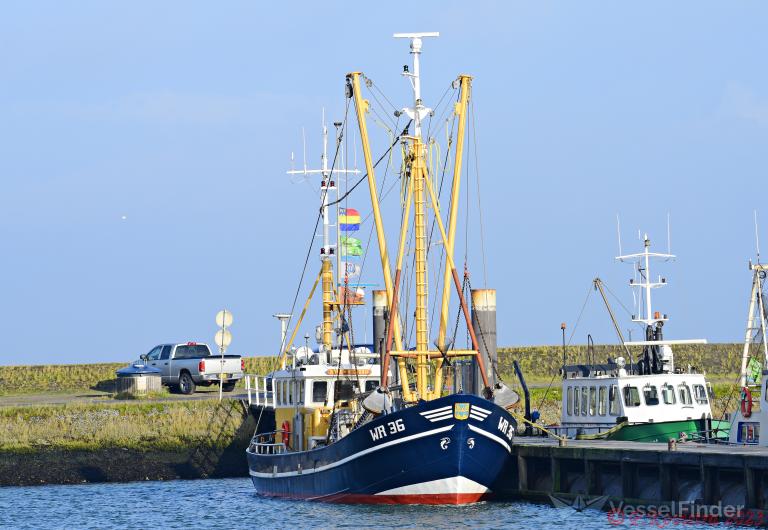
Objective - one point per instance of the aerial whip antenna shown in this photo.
(618, 232)
(757, 238)
(669, 236)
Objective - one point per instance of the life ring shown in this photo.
(286, 428)
(746, 402)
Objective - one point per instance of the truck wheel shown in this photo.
(229, 387)
(186, 385)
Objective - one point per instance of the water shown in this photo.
(232, 503)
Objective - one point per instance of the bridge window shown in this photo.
(302, 384)
(613, 400)
(700, 394)
(602, 400)
(631, 396)
(651, 395)
(343, 390)
(371, 384)
(319, 391)
(569, 401)
(584, 400)
(576, 401)
(668, 394)
(592, 400)
(685, 394)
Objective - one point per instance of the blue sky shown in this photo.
(181, 117)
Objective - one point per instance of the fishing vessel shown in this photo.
(749, 423)
(380, 423)
(650, 400)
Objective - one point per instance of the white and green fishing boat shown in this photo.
(651, 400)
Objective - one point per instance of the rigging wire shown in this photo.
(479, 205)
(365, 176)
(434, 111)
(375, 86)
(578, 320)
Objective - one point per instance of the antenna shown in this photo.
(418, 111)
(757, 239)
(304, 147)
(618, 232)
(669, 236)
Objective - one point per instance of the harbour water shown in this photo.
(232, 503)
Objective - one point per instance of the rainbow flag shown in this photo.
(349, 220)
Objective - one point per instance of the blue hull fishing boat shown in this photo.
(380, 424)
(446, 451)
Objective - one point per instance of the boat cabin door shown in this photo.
(298, 432)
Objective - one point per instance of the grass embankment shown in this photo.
(70, 378)
(169, 426)
(539, 363)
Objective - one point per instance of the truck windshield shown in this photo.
(191, 351)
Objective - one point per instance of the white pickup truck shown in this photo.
(185, 366)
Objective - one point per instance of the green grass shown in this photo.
(174, 426)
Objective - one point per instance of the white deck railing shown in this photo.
(256, 388)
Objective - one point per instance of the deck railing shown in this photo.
(257, 388)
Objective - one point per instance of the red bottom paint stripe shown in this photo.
(425, 498)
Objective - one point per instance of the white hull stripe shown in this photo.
(433, 411)
(451, 485)
(440, 418)
(439, 414)
(351, 457)
(476, 417)
(491, 436)
(480, 410)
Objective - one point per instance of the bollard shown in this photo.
(484, 325)
(672, 444)
(380, 310)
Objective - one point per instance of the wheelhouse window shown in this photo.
(319, 391)
(685, 394)
(700, 394)
(668, 394)
(343, 390)
(576, 401)
(651, 395)
(302, 384)
(371, 384)
(569, 401)
(584, 400)
(592, 400)
(631, 396)
(602, 400)
(613, 400)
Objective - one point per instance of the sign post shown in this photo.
(223, 339)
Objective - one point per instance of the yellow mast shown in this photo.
(465, 82)
(418, 178)
(361, 107)
(419, 191)
(328, 303)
